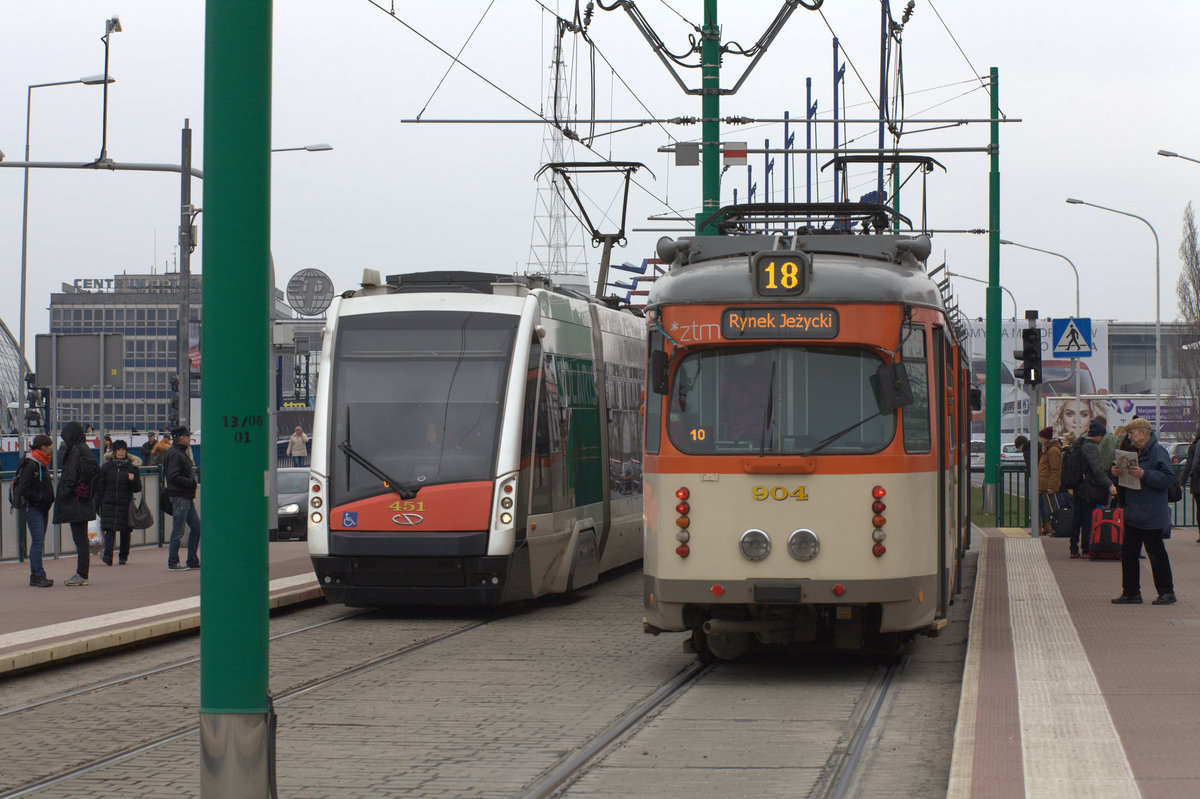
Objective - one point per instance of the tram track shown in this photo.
(183, 732)
(838, 775)
(125, 678)
(577, 762)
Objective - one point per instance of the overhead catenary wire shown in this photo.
(983, 84)
(476, 73)
(455, 60)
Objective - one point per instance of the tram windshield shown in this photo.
(778, 400)
(419, 396)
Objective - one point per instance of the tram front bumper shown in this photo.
(416, 581)
(907, 603)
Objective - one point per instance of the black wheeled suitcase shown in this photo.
(1108, 533)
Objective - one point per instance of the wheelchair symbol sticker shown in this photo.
(350, 519)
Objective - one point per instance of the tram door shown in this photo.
(942, 442)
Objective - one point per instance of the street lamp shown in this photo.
(1169, 154)
(90, 80)
(1075, 361)
(1157, 309)
(312, 148)
(986, 283)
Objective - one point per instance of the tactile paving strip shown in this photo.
(1069, 743)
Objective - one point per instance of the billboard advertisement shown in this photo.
(1178, 416)
(1058, 375)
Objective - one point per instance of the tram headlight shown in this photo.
(878, 536)
(755, 544)
(316, 502)
(803, 544)
(317, 518)
(506, 503)
(506, 518)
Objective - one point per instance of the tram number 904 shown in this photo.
(779, 493)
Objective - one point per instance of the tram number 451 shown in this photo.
(779, 493)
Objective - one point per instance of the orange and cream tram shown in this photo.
(806, 449)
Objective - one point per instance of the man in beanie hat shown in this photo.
(1049, 474)
(181, 491)
(1147, 517)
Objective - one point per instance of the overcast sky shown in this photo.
(1100, 87)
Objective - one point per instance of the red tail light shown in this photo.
(879, 492)
(683, 550)
(878, 550)
(878, 507)
(683, 508)
(683, 493)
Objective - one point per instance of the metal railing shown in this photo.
(14, 537)
(1013, 502)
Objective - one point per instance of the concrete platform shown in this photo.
(1065, 694)
(120, 604)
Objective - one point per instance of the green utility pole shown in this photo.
(710, 104)
(992, 398)
(234, 705)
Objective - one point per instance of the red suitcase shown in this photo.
(1108, 532)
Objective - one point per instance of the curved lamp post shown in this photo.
(1074, 361)
(90, 80)
(1157, 309)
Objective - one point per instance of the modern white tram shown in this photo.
(476, 440)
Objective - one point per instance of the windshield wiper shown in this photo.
(404, 491)
(825, 442)
(762, 441)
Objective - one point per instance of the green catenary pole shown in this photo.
(993, 398)
(710, 104)
(236, 294)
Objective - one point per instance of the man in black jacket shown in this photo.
(1190, 478)
(34, 492)
(180, 479)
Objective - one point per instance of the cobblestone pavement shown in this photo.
(484, 714)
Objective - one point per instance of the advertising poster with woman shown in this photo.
(1065, 415)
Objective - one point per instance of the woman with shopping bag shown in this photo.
(118, 482)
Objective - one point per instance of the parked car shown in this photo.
(977, 453)
(1178, 451)
(1010, 454)
(292, 496)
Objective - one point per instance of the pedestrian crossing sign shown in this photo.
(1072, 337)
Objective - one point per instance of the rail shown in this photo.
(1013, 503)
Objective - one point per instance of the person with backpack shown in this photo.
(1082, 472)
(180, 480)
(73, 504)
(118, 482)
(33, 492)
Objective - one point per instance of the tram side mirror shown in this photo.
(975, 398)
(660, 370)
(892, 387)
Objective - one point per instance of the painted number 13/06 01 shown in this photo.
(779, 493)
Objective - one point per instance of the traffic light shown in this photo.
(1030, 356)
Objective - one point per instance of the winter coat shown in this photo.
(1108, 451)
(1050, 466)
(296, 447)
(1191, 469)
(34, 487)
(1147, 507)
(1096, 481)
(67, 508)
(177, 471)
(158, 456)
(114, 490)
